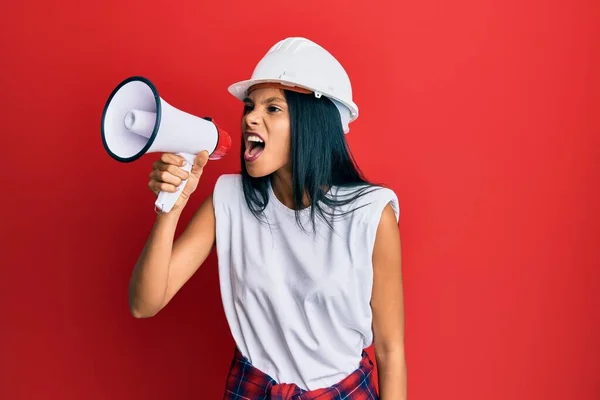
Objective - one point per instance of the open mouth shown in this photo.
(255, 145)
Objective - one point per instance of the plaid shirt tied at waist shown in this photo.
(245, 382)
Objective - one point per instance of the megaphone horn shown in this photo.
(136, 121)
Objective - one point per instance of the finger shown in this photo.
(162, 187)
(201, 159)
(151, 186)
(166, 177)
(171, 158)
(199, 163)
(173, 169)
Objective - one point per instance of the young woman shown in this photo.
(309, 251)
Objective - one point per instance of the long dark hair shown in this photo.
(320, 160)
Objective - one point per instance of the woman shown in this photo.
(309, 251)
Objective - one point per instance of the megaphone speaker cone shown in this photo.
(136, 121)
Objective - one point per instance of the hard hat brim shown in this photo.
(240, 90)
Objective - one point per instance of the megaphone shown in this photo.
(136, 121)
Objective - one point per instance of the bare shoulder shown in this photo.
(388, 224)
(387, 240)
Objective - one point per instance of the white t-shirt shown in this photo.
(297, 304)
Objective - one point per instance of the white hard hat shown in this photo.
(299, 62)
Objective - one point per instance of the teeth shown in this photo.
(254, 139)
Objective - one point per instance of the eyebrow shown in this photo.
(269, 100)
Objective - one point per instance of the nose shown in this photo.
(252, 118)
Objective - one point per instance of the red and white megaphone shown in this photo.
(136, 121)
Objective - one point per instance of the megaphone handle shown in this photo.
(166, 200)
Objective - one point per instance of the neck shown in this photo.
(281, 182)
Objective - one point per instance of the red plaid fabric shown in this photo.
(245, 382)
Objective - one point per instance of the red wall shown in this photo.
(488, 116)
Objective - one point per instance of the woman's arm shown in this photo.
(164, 267)
(387, 303)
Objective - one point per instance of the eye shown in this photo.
(273, 109)
(248, 108)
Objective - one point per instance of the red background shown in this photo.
(482, 115)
